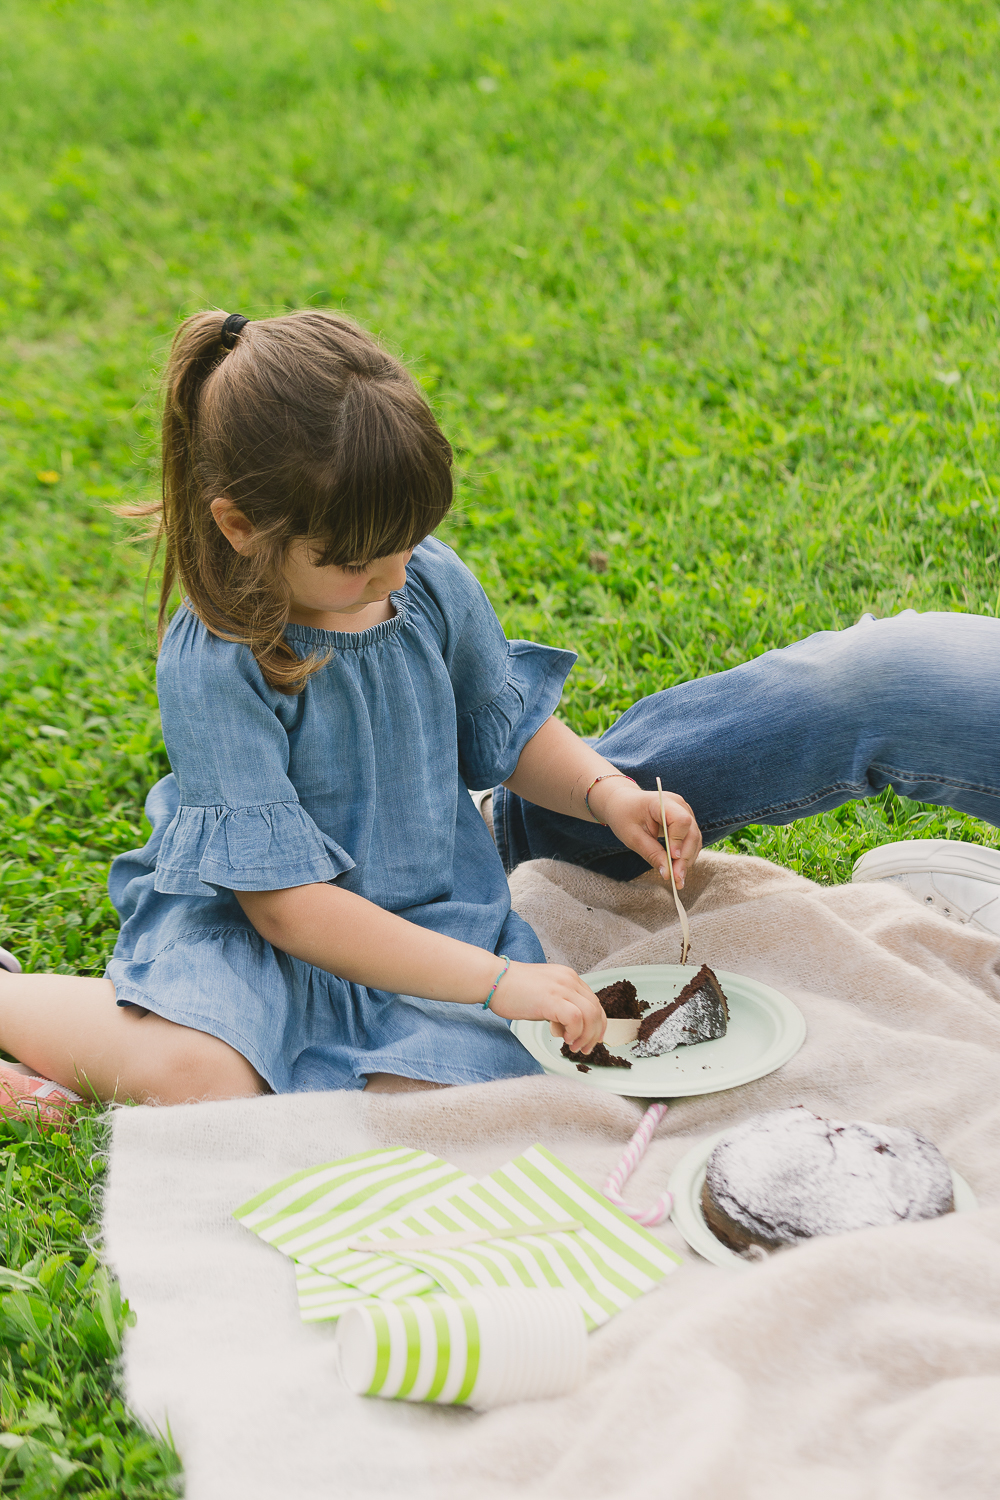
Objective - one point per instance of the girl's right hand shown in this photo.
(553, 993)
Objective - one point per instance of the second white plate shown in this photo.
(688, 1179)
(765, 1030)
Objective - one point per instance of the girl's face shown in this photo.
(361, 594)
(329, 598)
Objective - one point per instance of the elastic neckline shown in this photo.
(353, 640)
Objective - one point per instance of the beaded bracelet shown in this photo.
(506, 966)
(605, 776)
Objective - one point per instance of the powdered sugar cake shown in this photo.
(700, 1013)
(789, 1175)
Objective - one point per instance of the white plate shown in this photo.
(765, 1030)
(688, 1179)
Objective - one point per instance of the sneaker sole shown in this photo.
(921, 856)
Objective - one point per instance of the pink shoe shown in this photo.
(22, 1095)
(25, 1097)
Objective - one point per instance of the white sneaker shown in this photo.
(483, 802)
(961, 881)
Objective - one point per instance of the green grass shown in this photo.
(65, 1429)
(704, 294)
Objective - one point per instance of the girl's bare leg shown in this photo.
(394, 1083)
(70, 1029)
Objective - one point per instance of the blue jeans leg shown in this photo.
(911, 702)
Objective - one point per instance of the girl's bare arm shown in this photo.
(555, 770)
(355, 939)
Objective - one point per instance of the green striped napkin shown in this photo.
(605, 1265)
(309, 1215)
(395, 1194)
(322, 1298)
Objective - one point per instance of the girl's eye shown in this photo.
(356, 568)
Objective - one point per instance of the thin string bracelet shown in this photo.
(506, 966)
(605, 776)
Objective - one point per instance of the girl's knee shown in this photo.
(909, 658)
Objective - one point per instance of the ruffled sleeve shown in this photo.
(492, 736)
(264, 848)
(237, 822)
(504, 690)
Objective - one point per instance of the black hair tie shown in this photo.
(232, 328)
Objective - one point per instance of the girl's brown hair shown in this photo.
(312, 431)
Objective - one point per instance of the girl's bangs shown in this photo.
(377, 531)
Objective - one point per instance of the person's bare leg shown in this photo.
(71, 1030)
(395, 1083)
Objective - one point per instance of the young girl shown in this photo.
(320, 904)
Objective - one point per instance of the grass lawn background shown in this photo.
(703, 293)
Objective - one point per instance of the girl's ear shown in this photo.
(233, 524)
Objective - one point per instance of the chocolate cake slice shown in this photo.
(597, 1057)
(620, 1001)
(700, 1013)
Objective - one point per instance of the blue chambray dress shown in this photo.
(360, 779)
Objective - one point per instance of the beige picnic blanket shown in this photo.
(860, 1368)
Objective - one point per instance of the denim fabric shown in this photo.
(911, 702)
(362, 778)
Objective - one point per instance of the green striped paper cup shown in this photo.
(486, 1349)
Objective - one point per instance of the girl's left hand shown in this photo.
(634, 816)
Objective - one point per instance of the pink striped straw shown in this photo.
(630, 1159)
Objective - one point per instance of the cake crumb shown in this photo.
(598, 1057)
